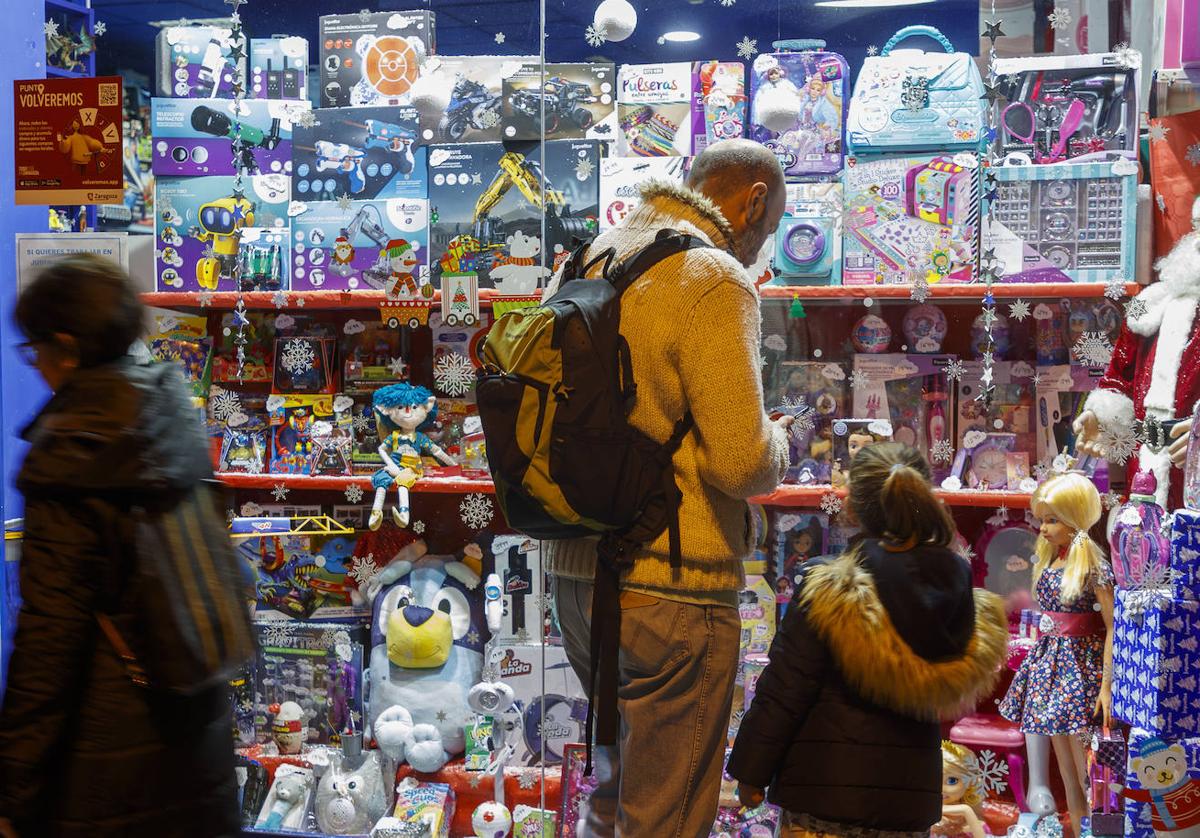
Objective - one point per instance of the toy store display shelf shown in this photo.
(316, 300)
(811, 496)
(445, 485)
(969, 292)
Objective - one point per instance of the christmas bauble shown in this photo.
(871, 334)
(925, 328)
(616, 18)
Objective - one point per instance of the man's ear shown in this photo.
(756, 203)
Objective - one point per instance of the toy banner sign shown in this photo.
(67, 136)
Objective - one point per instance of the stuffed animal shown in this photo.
(427, 639)
(520, 272)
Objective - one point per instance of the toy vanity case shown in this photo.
(279, 68)
(195, 137)
(194, 62)
(812, 82)
(338, 250)
(1067, 222)
(359, 152)
(373, 59)
(908, 100)
(808, 241)
(576, 101)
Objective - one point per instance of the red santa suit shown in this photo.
(1155, 368)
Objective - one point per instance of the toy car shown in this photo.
(563, 100)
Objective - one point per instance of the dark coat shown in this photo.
(84, 752)
(877, 646)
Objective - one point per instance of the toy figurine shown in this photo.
(221, 224)
(352, 794)
(288, 728)
(1067, 678)
(402, 262)
(961, 794)
(402, 412)
(287, 800)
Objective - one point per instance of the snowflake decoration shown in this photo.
(1019, 310)
(993, 773)
(278, 633)
(1060, 18)
(363, 424)
(1128, 58)
(1000, 518)
(727, 3)
(1193, 154)
(955, 370)
(208, 252)
(476, 511)
(968, 553)
(297, 356)
(398, 368)
(51, 29)
(942, 451)
(418, 527)
(344, 202)
(1110, 500)
(500, 37)
(223, 403)
(1153, 590)
(595, 35)
(1114, 289)
(527, 780)
(300, 302)
(1036, 380)
(477, 778)
(1158, 132)
(364, 16)
(872, 50)
(354, 493)
(100, 28)
(584, 169)
(305, 118)
(454, 374)
(1093, 349)
(279, 299)
(363, 569)
(280, 492)
(205, 298)
(831, 504)
(920, 290)
(803, 416)
(858, 379)
(747, 47)
(332, 636)
(1119, 443)
(1135, 309)
(489, 120)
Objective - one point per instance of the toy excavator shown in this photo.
(376, 275)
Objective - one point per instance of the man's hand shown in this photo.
(1087, 435)
(785, 421)
(1178, 448)
(750, 796)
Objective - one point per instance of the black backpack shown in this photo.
(554, 393)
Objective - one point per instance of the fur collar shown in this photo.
(844, 609)
(1179, 282)
(692, 207)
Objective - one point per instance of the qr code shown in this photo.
(110, 95)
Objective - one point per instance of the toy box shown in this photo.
(1185, 553)
(259, 350)
(196, 62)
(300, 577)
(799, 537)
(654, 110)
(305, 365)
(373, 58)
(798, 108)
(518, 564)
(279, 68)
(718, 102)
(244, 448)
(1060, 325)
(1068, 106)
(621, 180)
(756, 609)
(822, 387)
(483, 209)
(1061, 393)
(576, 101)
(808, 242)
(552, 700)
(914, 394)
(1156, 665)
(909, 217)
(1185, 769)
(291, 420)
(196, 136)
(211, 239)
(282, 811)
(361, 153)
(1012, 406)
(185, 341)
(1071, 222)
(372, 356)
(990, 461)
(318, 666)
(850, 436)
(459, 97)
(335, 249)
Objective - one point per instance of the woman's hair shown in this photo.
(892, 499)
(87, 297)
(1072, 499)
(964, 762)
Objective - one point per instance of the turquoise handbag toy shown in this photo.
(910, 100)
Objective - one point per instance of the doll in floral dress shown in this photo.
(1066, 681)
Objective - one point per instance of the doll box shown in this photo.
(909, 216)
(1013, 404)
(195, 137)
(812, 84)
(621, 180)
(577, 102)
(279, 68)
(913, 393)
(718, 102)
(459, 97)
(1156, 662)
(756, 610)
(195, 62)
(335, 249)
(523, 586)
(373, 58)
(1185, 553)
(552, 700)
(360, 153)
(1070, 222)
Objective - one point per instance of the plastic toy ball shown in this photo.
(871, 334)
(491, 820)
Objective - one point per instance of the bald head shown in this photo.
(745, 181)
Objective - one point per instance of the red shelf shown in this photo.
(314, 300)
(810, 496)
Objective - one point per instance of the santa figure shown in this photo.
(1153, 380)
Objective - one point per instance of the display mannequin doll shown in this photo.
(1153, 378)
(961, 794)
(1067, 678)
(402, 412)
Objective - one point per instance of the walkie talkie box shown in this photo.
(279, 68)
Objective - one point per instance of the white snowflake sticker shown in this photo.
(363, 569)
(1060, 18)
(942, 451)
(919, 290)
(223, 404)
(476, 511)
(1111, 500)
(1000, 519)
(279, 299)
(955, 370)
(280, 492)
(363, 423)
(1114, 289)
(747, 47)
(595, 35)
(278, 633)
(1093, 349)
(454, 374)
(1135, 309)
(1158, 132)
(858, 379)
(584, 169)
(297, 356)
(354, 493)
(418, 527)
(1118, 443)
(1153, 590)
(1019, 310)
(831, 504)
(993, 773)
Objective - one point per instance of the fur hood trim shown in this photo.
(844, 609)
(704, 213)
(1178, 281)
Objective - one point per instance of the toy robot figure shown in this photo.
(221, 223)
(402, 413)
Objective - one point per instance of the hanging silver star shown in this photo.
(991, 30)
(992, 93)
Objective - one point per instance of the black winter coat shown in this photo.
(83, 752)
(875, 648)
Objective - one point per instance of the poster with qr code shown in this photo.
(67, 141)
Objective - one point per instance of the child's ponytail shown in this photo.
(892, 498)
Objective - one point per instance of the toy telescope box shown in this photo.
(195, 137)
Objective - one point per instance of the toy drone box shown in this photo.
(196, 62)
(808, 138)
(808, 241)
(209, 238)
(373, 58)
(654, 110)
(483, 208)
(576, 101)
(1068, 222)
(459, 97)
(361, 153)
(337, 249)
(910, 217)
(195, 137)
(279, 68)
(622, 178)
(1068, 106)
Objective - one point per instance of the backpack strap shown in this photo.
(667, 243)
(670, 491)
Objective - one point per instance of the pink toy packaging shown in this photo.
(1138, 544)
(718, 102)
(913, 393)
(678, 109)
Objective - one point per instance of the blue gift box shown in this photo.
(1156, 663)
(1137, 812)
(1185, 553)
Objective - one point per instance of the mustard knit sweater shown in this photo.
(694, 331)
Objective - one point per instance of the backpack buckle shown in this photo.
(561, 391)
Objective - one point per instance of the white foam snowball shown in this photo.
(618, 19)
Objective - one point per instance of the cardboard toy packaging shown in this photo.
(812, 85)
(654, 109)
(523, 585)
(1156, 662)
(553, 702)
(279, 68)
(459, 97)
(808, 241)
(194, 137)
(373, 58)
(1185, 553)
(575, 100)
(363, 247)
(360, 153)
(196, 62)
(302, 577)
(621, 180)
(1166, 787)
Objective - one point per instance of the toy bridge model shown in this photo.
(314, 525)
